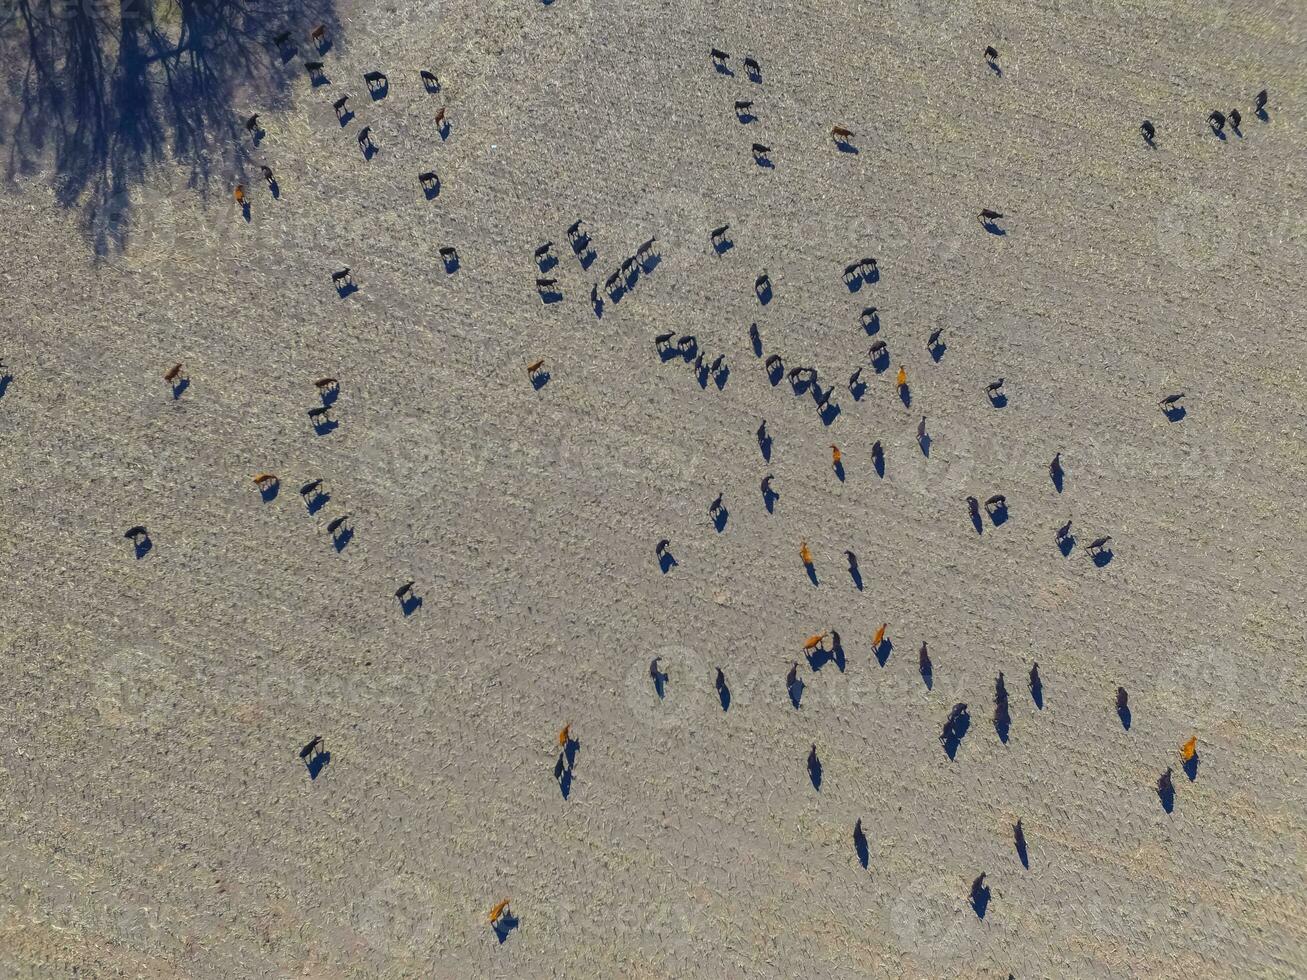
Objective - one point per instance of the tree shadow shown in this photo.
(105, 95)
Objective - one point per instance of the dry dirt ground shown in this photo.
(156, 819)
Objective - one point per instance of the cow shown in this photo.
(1149, 131)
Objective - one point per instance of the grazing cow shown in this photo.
(822, 398)
(877, 350)
(753, 69)
(1189, 750)
(1019, 839)
(1259, 103)
(327, 384)
(718, 57)
(1166, 790)
(988, 217)
(1036, 684)
(878, 455)
(645, 250)
(429, 80)
(744, 110)
(1055, 472)
(854, 378)
(814, 642)
(1217, 121)
(921, 431)
(365, 139)
(542, 254)
(767, 492)
(1123, 705)
(755, 338)
(342, 278)
(405, 590)
(973, 507)
(979, 896)
(994, 389)
(319, 415)
(428, 179)
(774, 361)
(867, 269)
(172, 375)
(376, 79)
(340, 106)
(995, 503)
(312, 748)
(449, 255)
(239, 194)
(314, 68)
(687, 343)
(546, 285)
(337, 524)
(718, 365)
(805, 554)
(932, 342)
(498, 911)
(268, 175)
(440, 121)
(252, 124)
(851, 275)
(792, 677)
(311, 488)
(657, 675)
(533, 368)
(318, 34)
(565, 735)
(991, 53)
(281, 40)
(661, 547)
(1235, 119)
(1096, 546)
(718, 236)
(761, 154)
(902, 380)
(135, 532)
(1063, 532)
(762, 285)
(662, 342)
(1170, 400)
(265, 481)
(1149, 131)
(841, 135)
(835, 455)
(879, 638)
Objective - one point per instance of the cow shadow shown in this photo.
(410, 604)
(431, 190)
(1191, 767)
(860, 847)
(666, 562)
(855, 573)
(504, 925)
(1166, 794)
(769, 499)
(955, 736)
(999, 515)
(796, 692)
(924, 443)
(1103, 558)
(764, 293)
(721, 377)
(1058, 479)
(178, 389)
(882, 651)
(550, 296)
(1067, 545)
(878, 464)
(340, 541)
(927, 671)
(723, 245)
(839, 472)
(905, 396)
(325, 427)
(719, 520)
(844, 146)
(275, 189)
(346, 290)
(829, 414)
(1175, 414)
(980, 900)
(1124, 714)
(540, 379)
(143, 547)
(858, 390)
(775, 375)
(268, 491)
(812, 574)
(870, 320)
(998, 400)
(317, 764)
(452, 262)
(815, 773)
(994, 229)
(724, 695)
(937, 352)
(316, 503)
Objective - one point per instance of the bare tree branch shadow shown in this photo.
(101, 93)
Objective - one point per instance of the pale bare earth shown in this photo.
(157, 821)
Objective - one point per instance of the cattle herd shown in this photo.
(874, 368)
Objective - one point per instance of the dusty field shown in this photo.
(156, 819)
